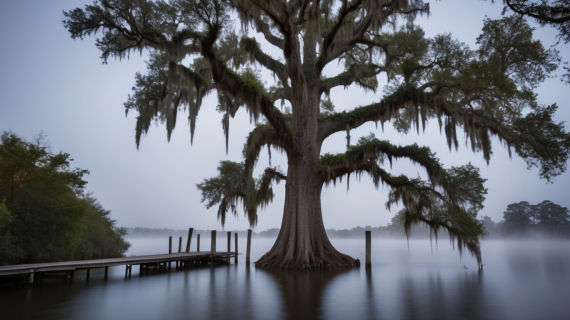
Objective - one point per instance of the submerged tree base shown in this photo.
(329, 258)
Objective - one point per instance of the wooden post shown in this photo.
(248, 246)
(235, 257)
(31, 277)
(368, 248)
(213, 245)
(88, 272)
(128, 270)
(198, 243)
(106, 272)
(189, 239)
(229, 246)
(170, 245)
(179, 244)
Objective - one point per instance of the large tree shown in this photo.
(194, 48)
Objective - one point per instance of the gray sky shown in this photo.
(50, 82)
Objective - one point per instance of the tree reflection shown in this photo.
(435, 297)
(303, 290)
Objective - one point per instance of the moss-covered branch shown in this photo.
(234, 186)
(263, 135)
(450, 200)
(370, 149)
(381, 112)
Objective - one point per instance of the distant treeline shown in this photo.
(357, 232)
(546, 220)
(45, 215)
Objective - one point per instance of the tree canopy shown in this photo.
(44, 213)
(545, 218)
(553, 13)
(195, 48)
(546, 13)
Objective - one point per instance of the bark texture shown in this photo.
(302, 240)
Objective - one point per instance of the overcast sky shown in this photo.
(52, 83)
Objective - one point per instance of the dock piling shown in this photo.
(248, 246)
(213, 245)
(236, 245)
(189, 239)
(368, 248)
(198, 243)
(229, 246)
(170, 245)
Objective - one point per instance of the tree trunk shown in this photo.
(302, 241)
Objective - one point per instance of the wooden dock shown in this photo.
(35, 271)
(183, 259)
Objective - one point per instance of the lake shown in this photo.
(407, 280)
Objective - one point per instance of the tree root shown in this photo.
(328, 259)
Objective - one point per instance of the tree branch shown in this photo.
(262, 135)
(382, 111)
(251, 46)
(370, 149)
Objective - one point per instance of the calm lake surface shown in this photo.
(415, 280)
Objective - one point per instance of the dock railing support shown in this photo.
(198, 242)
(368, 248)
(248, 246)
(189, 239)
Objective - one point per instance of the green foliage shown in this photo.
(545, 218)
(44, 215)
(100, 238)
(554, 13)
(9, 250)
(233, 186)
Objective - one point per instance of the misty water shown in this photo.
(407, 280)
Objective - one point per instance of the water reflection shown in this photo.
(302, 291)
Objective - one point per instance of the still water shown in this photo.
(415, 280)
